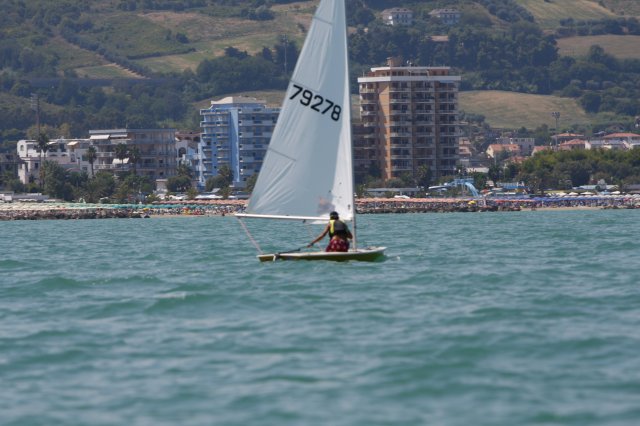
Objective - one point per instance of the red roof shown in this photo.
(621, 135)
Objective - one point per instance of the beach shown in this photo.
(61, 210)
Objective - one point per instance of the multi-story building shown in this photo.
(189, 153)
(236, 132)
(573, 145)
(68, 153)
(156, 147)
(397, 16)
(447, 16)
(496, 149)
(410, 120)
(526, 144)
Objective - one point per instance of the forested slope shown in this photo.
(145, 63)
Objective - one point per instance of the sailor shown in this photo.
(339, 234)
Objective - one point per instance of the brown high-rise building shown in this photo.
(409, 120)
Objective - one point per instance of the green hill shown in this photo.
(148, 62)
(620, 46)
(549, 13)
(512, 110)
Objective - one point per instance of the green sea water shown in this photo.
(521, 318)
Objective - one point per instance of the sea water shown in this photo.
(520, 318)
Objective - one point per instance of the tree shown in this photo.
(134, 158)
(178, 183)
(222, 181)
(226, 174)
(423, 176)
(42, 146)
(185, 170)
(91, 155)
(122, 152)
(56, 181)
(251, 182)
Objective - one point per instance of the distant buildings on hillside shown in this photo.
(447, 16)
(515, 147)
(400, 16)
(408, 125)
(397, 16)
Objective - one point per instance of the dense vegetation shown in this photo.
(567, 169)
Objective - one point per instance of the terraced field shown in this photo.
(210, 35)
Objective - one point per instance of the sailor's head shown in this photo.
(334, 215)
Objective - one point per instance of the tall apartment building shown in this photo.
(157, 151)
(236, 131)
(410, 120)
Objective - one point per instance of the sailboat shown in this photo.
(307, 171)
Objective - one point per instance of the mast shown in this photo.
(348, 88)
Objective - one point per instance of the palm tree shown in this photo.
(42, 146)
(122, 152)
(91, 156)
(134, 157)
(184, 170)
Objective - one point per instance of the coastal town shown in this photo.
(407, 130)
(412, 146)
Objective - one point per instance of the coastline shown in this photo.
(58, 210)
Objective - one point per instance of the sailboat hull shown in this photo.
(370, 254)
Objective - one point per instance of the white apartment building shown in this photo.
(236, 131)
(189, 153)
(68, 153)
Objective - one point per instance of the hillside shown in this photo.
(150, 62)
(511, 110)
(620, 46)
(548, 14)
(210, 35)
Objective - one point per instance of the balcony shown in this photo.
(399, 89)
(400, 134)
(399, 101)
(368, 113)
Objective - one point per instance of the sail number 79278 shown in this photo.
(317, 102)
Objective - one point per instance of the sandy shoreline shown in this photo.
(57, 210)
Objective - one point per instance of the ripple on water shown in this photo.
(517, 318)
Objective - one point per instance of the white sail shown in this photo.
(307, 171)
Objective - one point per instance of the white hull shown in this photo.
(369, 254)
